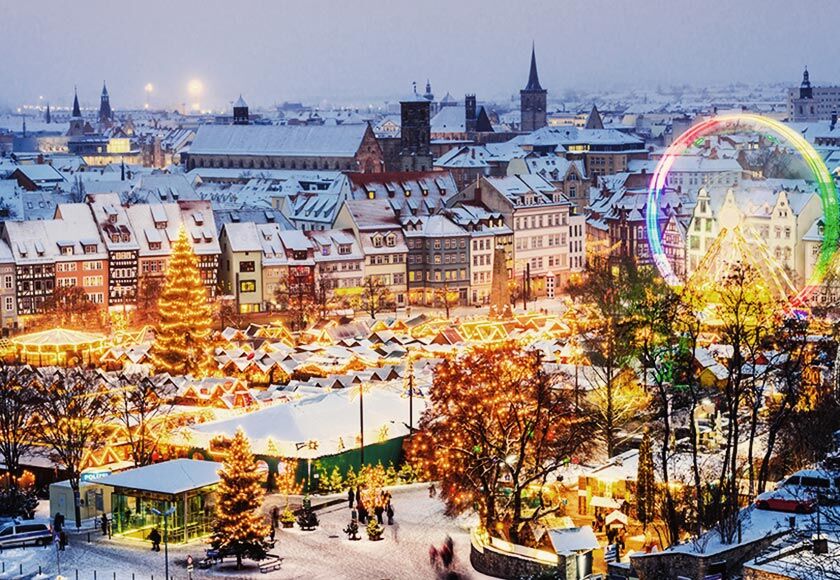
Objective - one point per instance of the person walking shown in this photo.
(378, 510)
(351, 497)
(390, 512)
(62, 540)
(103, 523)
(154, 537)
(275, 516)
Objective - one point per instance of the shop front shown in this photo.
(185, 489)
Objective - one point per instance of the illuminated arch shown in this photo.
(746, 121)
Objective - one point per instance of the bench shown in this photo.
(272, 562)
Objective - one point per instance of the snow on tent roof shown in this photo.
(573, 540)
(169, 477)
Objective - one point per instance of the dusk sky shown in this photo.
(366, 50)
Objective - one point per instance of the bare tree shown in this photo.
(18, 402)
(376, 296)
(141, 407)
(73, 408)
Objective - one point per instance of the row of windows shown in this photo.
(460, 258)
(387, 259)
(541, 221)
(438, 276)
(437, 244)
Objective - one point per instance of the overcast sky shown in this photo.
(358, 50)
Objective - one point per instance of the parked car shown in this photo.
(800, 492)
(15, 534)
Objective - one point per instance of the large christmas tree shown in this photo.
(240, 529)
(182, 341)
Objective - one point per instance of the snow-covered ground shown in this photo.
(322, 554)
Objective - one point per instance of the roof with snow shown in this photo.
(168, 478)
(282, 140)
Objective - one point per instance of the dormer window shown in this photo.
(154, 245)
(325, 250)
(89, 248)
(344, 249)
(376, 240)
(390, 240)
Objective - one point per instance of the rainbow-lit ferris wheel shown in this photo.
(738, 242)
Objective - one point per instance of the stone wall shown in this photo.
(493, 562)
(669, 565)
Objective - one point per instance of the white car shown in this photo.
(22, 534)
(798, 493)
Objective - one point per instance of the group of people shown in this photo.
(382, 506)
(617, 536)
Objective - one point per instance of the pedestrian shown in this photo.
(447, 552)
(621, 536)
(272, 533)
(307, 503)
(62, 540)
(351, 497)
(103, 523)
(275, 516)
(432, 490)
(390, 512)
(363, 513)
(154, 537)
(189, 567)
(378, 510)
(58, 522)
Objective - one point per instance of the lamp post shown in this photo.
(166, 513)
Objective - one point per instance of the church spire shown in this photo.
(105, 114)
(77, 112)
(533, 77)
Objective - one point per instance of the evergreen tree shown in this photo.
(183, 335)
(645, 483)
(240, 528)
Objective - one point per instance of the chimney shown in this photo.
(477, 195)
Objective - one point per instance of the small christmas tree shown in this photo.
(352, 530)
(335, 482)
(239, 528)
(374, 530)
(645, 484)
(286, 482)
(182, 339)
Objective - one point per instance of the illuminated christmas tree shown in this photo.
(240, 529)
(182, 340)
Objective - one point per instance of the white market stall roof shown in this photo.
(572, 540)
(331, 419)
(168, 478)
(605, 502)
(617, 517)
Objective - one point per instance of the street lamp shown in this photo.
(166, 513)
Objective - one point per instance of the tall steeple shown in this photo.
(47, 116)
(533, 100)
(104, 105)
(428, 95)
(533, 77)
(77, 112)
(805, 89)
